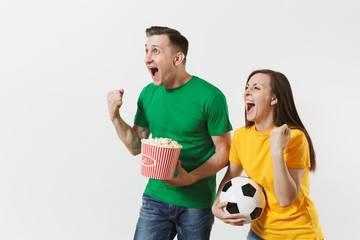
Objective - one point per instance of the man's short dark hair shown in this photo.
(176, 39)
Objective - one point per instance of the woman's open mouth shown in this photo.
(249, 106)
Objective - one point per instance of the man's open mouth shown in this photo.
(153, 71)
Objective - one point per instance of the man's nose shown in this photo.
(148, 58)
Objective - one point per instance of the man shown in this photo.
(190, 111)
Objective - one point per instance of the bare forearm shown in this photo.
(209, 167)
(217, 161)
(214, 164)
(285, 186)
(127, 135)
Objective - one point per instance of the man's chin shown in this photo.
(157, 82)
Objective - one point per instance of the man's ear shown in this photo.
(273, 100)
(179, 58)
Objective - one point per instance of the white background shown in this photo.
(64, 174)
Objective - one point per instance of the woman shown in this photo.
(275, 150)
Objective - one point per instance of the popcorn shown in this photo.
(159, 157)
(161, 142)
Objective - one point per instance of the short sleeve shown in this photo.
(297, 154)
(234, 156)
(140, 116)
(218, 116)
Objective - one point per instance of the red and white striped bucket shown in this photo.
(158, 162)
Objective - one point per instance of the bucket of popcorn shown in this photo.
(159, 157)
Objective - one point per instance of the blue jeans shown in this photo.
(162, 221)
(253, 236)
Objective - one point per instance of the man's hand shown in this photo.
(114, 100)
(182, 179)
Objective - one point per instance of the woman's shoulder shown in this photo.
(241, 130)
(297, 137)
(297, 133)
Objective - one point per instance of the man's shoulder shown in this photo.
(202, 82)
(206, 87)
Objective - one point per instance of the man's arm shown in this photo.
(130, 136)
(215, 163)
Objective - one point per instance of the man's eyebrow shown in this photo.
(152, 45)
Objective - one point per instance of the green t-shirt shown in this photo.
(189, 114)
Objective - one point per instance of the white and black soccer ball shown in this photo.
(243, 196)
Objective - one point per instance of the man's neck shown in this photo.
(179, 79)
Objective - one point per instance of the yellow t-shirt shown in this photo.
(251, 150)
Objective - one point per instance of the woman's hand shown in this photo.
(232, 219)
(279, 138)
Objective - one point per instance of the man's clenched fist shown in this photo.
(114, 100)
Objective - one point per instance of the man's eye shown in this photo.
(256, 88)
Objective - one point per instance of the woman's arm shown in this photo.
(287, 181)
(217, 208)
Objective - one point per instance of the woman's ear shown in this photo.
(179, 58)
(273, 100)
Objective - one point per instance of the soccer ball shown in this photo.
(243, 196)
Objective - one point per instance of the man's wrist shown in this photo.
(115, 118)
